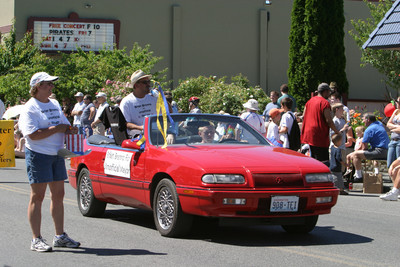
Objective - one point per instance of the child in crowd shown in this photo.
(340, 124)
(336, 162)
(285, 126)
(273, 128)
(358, 146)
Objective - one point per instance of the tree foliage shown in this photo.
(216, 94)
(108, 71)
(86, 72)
(385, 61)
(316, 51)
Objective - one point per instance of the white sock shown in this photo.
(358, 174)
(395, 190)
(376, 170)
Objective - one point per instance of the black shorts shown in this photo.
(320, 153)
(376, 153)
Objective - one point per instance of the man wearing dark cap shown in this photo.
(317, 121)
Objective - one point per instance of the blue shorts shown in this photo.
(43, 168)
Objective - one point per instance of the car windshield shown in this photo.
(205, 129)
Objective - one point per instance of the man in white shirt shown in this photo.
(97, 126)
(77, 111)
(251, 116)
(139, 103)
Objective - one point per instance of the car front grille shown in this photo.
(278, 180)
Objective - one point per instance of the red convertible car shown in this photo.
(215, 166)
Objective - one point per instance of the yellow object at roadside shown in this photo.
(7, 155)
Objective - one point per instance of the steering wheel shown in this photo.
(231, 140)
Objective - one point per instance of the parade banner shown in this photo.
(74, 143)
(7, 155)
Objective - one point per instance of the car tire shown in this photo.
(169, 218)
(88, 204)
(308, 226)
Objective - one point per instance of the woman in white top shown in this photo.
(44, 126)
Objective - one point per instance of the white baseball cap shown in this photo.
(101, 94)
(78, 94)
(41, 77)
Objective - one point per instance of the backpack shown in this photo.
(294, 135)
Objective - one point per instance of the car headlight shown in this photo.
(319, 178)
(223, 179)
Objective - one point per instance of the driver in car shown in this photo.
(207, 133)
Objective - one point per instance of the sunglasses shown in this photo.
(47, 83)
(145, 82)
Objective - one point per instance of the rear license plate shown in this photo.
(284, 203)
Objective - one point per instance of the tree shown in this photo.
(316, 51)
(216, 94)
(18, 62)
(86, 72)
(385, 61)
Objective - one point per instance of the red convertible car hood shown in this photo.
(254, 158)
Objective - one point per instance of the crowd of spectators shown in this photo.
(323, 117)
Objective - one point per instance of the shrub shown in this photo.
(216, 94)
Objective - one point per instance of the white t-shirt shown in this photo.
(37, 115)
(254, 120)
(286, 121)
(135, 109)
(2, 109)
(196, 110)
(100, 110)
(78, 107)
(273, 131)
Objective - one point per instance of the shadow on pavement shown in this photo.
(248, 235)
(109, 251)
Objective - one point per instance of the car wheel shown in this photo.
(168, 215)
(87, 202)
(308, 226)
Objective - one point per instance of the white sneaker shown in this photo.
(65, 241)
(39, 244)
(390, 196)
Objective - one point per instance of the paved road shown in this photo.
(361, 231)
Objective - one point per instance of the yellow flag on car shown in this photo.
(7, 155)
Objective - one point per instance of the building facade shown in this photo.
(207, 37)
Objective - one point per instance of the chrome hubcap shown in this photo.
(85, 193)
(165, 208)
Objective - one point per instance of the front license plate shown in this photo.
(284, 203)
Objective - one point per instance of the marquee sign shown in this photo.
(67, 34)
